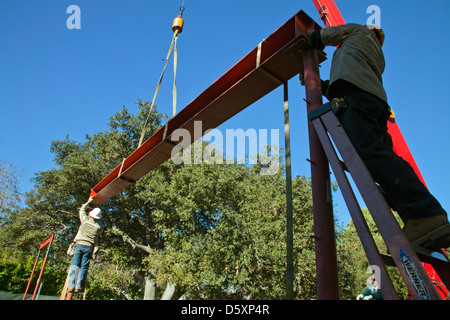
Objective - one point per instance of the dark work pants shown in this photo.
(365, 122)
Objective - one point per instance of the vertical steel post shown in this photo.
(289, 221)
(42, 271)
(31, 276)
(324, 234)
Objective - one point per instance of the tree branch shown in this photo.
(130, 241)
(118, 290)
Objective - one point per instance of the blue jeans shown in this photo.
(80, 265)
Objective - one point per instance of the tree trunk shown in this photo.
(150, 289)
(168, 293)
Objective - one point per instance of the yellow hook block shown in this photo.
(178, 24)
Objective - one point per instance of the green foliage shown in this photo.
(224, 231)
(10, 195)
(113, 282)
(15, 273)
(215, 231)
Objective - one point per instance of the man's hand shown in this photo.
(315, 40)
(324, 85)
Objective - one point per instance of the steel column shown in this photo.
(42, 272)
(289, 219)
(31, 276)
(324, 233)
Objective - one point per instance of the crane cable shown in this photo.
(177, 28)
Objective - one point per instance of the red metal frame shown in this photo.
(239, 87)
(277, 59)
(281, 56)
(329, 13)
(48, 242)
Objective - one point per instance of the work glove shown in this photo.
(324, 84)
(315, 40)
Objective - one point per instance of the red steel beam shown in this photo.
(401, 147)
(280, 59)
(329, 13)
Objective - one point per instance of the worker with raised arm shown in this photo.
(85, 241)
(355, 90)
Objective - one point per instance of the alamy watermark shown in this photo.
(375, 15)
(375, 274)
(235, 143)
(74, 20)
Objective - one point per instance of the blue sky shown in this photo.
(56, 82)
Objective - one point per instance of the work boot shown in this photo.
(432, 233)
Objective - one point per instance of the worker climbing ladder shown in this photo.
(177, 28)
(403, 255)
(331, 16)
